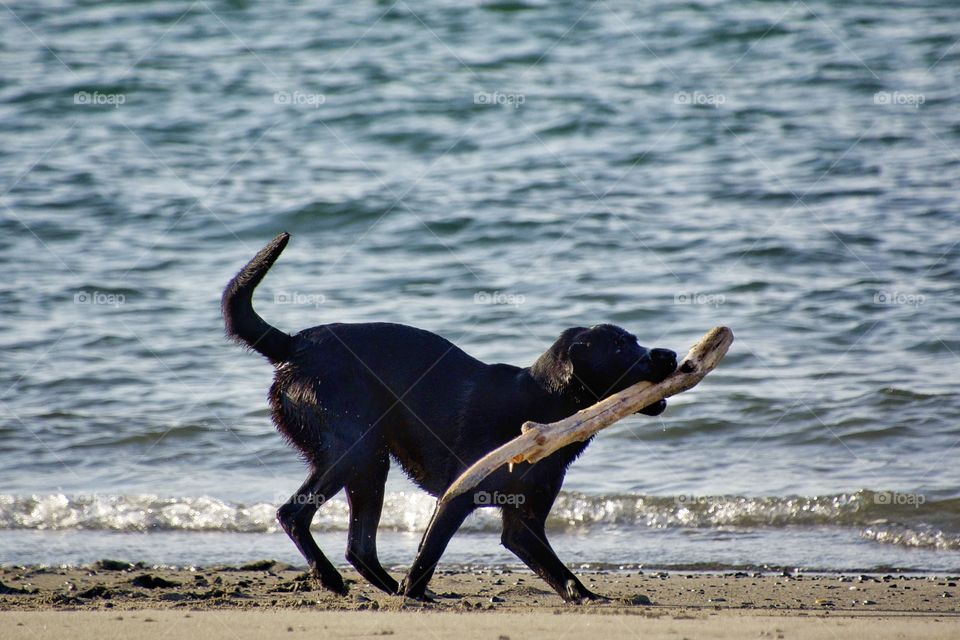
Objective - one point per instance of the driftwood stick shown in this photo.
(537, 441)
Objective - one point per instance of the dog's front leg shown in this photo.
(447, 518)
(524, 534)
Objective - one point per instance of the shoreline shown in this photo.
(268, 600)
(116, 585)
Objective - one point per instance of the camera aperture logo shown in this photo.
(98, 99)
(299, 99)
(899, 499)
(500, 98)
(689, 500)
(699, 99)
(299, 298)
(899, 298)
(899, 99)
(497, 499)
(696, 297)
(314, 499)
(499, 297)
(100, 298)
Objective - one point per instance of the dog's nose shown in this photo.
(664, 356)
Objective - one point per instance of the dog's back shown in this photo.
(390, 385)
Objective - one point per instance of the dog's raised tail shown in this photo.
(242, 322)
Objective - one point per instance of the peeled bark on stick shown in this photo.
(537, 441)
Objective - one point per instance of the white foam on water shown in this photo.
(410, 512)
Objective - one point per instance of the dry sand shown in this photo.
(269, 600)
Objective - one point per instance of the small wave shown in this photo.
(931, 524)
(696, 511)
(904, 536)
(55, 512)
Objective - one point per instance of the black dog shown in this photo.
(349, 396)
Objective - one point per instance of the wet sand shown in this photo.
(267, 600)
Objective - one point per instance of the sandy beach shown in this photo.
(491, 214)
(266, 600)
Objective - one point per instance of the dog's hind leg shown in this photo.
(365, 495)
(525, 536)
(296, 515)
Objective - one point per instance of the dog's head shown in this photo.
(605, 359)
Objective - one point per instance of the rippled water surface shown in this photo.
(494, 172)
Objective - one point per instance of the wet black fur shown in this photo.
(350, 396)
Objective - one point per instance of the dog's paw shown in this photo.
(331, 582)
(576, 593)
(420, 595)
(590, 596)
(422, 598)
(338, 588)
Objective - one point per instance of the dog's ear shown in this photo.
(578, 351)
(555, 366)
